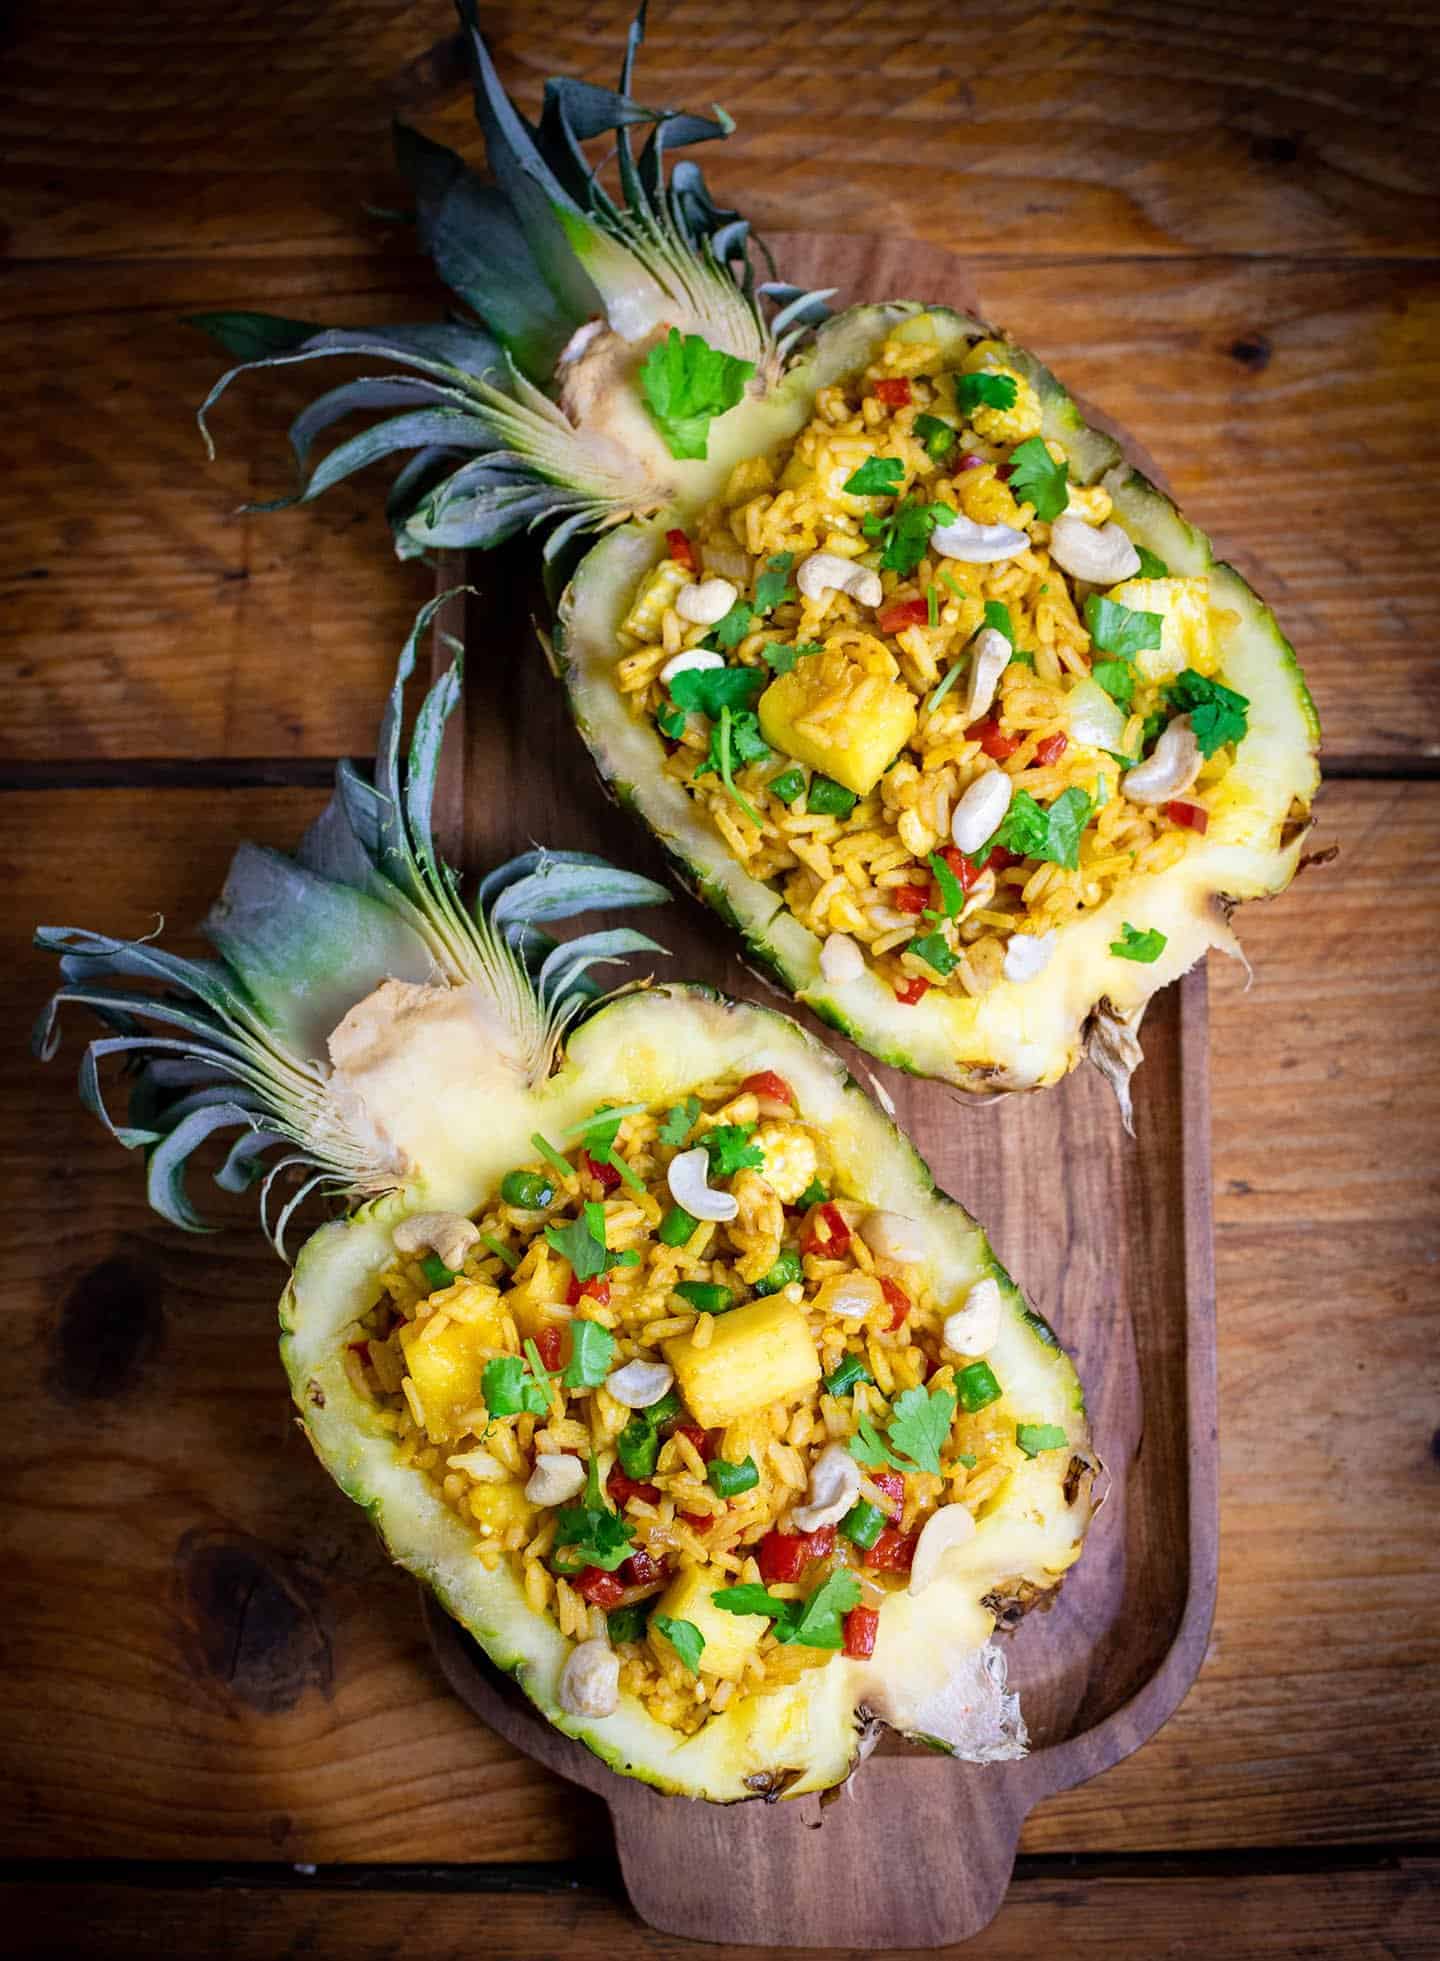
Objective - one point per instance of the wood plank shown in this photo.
(208, 1658)
(1386, 1912)
(160, 129)
(146, 619)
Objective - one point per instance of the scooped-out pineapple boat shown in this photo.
(648, 1342)
(921, 684)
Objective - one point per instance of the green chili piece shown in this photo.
(847, 1372)
(626, 1623)
(436, 1272)
(705, 1296)
(785, 1271)
(527, 1190)
(637, 1447)
(977, 1387)
(677, 1226)
(729, 1480)
(863, 1523)
(828, 798)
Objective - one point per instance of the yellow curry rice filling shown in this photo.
(708, 1443)
(925, 686)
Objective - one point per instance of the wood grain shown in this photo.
(1315, 1719)
(1380, 1913)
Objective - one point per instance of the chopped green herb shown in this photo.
(968, 1459)
(685, 1638)
(729, 1480)
(670, 719)
(828, 798)
(846, 1373)
(920, 1424)
(1121, 629)
(705, 1296)
(813, 1194)
(1037, 479)
(686, 384)
(867, 1446)
(772, 588)
(509, 1389)
(1117, 678)
(592, 1349)
(502, 1253)
(709, 689)
(938, 437)
(984, 391)
(935, 952)
(785, 1272)
(551, 1156)
(638, 1447)
(1151, 567)
(932, 605)
(878, 476)
(952, 894)
(977, 1388)
(1052, 834)
(949, 579)
(863, 1523)
(526, 1190)
(1035, 1437)
(1217, 714)
(729, 1149)
(590, 1534)
(725, 735)
(727, 633)
(815, 1623)
(906, 534)
(783, 659)
(787, 785)
(1135, 945)
(436, 1271)
(679, 1121)
(602, 1126)
(945, 686)
(997, 615)
(580, 1244)
(626, 1623)
(676, 1227)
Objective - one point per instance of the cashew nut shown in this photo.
(989, 658)
(693, 657)
(892, 1236)
(688, 1179)
(834, 1487)
(951, 1526)
(841, 959)
(555, 1478)
(975, 1328)
(853, 1295)
(824, 572)
(979, 813)
(1099, 553)
(707, 603)
(977, 544)
(1172, 767)
(480, 1465)
(590, 1680)
(1028, 954)
(639, 1384)
(447, 1233)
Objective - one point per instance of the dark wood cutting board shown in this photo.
(1111, 1238)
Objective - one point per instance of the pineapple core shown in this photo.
(839, 717)
(729, 1638)
(759, 1354)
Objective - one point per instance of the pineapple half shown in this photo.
(401, 1048)
(566, 410)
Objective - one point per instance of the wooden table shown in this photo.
(1219, 225)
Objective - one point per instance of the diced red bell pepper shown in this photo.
(892, 1483)
(707, 1442)
(894, 394)
(893, 1551)
(597, 1290)
(1051, 749)
(604, 1589)
(1000, 860)
(605, 1175)
(697, 1521)
(825, 1232)
(1005, 471)
(550, 1341)
(822, 1541)
(783, 1556)
(1194, 816)
(681, 550)
(965, 869)
(911, 898)
(765, 1082)
(860, 1627)
(911, 991)
(993, 742)
(900, 613)
(641, 1570)
(898, 1300)
(623, 1488)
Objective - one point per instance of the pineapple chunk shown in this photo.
(538, 1300)
(729, 1638)
(759, 1354)
(659, 589)
(446, 1371)
(496, 1507)
(828, 712)
(1187, 638)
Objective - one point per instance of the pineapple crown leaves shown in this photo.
(240, 1043)
(532, 259)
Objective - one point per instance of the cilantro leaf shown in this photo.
(1068, 816)
(782, 659)
(709, 689)
(580, 1245)
(670, 720)
(984, 391)
(685, 1638)
(1035, 1437)
(934, 950)
(1151, 567)
(1117, 678)
(906, 534)
(938, 437)
(1052, 835)
(679, 1121)
(997, 615)
(867, 1446)
(1135, 945)
(747, 744)
(818, 1624)
(592, 1349)
(508, 1389)
(1121, 629)
(752, 1599)
(1036, 478)
(878, 476)
(727, 633)
(686, 384)
(952, 894)
(920, 1425)
(590, 1534)
(1217, 714)
(729, 1149)
(772, 588)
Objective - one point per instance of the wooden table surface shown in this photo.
(1218, 224)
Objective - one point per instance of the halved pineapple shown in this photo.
(628, 368)
(408, 1049)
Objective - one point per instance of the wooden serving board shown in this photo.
(1111, 1238)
